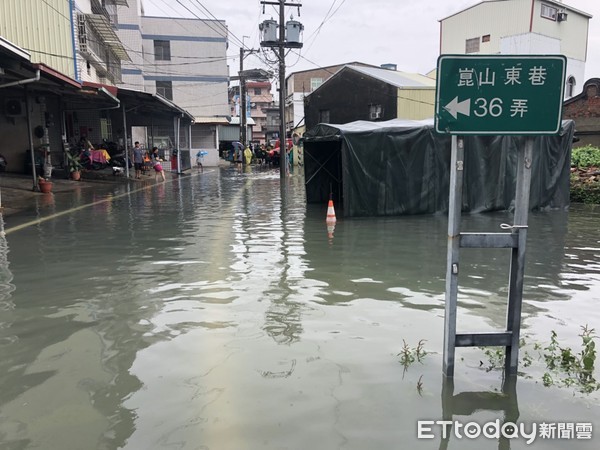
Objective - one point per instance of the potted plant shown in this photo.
(44, 185)
(74, 165)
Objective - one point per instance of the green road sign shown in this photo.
(494, 94)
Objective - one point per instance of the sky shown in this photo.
(401, 32)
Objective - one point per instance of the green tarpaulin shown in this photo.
(403, 167)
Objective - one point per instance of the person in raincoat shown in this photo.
(247, 156)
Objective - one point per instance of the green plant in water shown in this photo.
(565, 367)
(409, 355)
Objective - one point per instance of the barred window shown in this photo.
(472, 45)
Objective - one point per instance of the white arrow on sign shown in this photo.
(455, 107)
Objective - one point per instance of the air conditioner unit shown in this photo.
(13, 107)
(561, 16)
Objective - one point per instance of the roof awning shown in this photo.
(236, 121)
(113, 90)
(119, 2)
(108, 35)
(145, 105)
(56, 76)
(173, 106)
(13, 49)
(212, 120)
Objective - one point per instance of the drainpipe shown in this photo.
(125, 142)
(72, 15)
(19, 83)
(178, 120)
(30, 131)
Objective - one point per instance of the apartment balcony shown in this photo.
(101, 46)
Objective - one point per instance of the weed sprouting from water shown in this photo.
(409, 355)
(564, 366)
(572, 368)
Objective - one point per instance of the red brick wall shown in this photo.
(584, 109)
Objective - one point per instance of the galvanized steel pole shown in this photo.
(452, 266)
(125, 141)
(282, 139)
(517, 261)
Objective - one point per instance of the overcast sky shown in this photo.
(402, 32)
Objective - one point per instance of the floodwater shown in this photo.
(208, 313)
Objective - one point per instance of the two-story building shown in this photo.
(372, 94)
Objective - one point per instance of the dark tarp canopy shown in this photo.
(403, 167)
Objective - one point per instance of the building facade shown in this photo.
(184, 60)
(520, 27)
(376, 95)
(302, 83)
(75, 37)
(584, 110)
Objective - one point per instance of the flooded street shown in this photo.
(209, 313)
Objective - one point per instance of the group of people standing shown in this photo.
(260, 154)
(141, 156)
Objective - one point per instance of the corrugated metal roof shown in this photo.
(396, 78)
(212, 120)
(236, 121)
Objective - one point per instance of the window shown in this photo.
(162, 50)
(324, 116)
(375, 112)
(256, 91)
(315, 83)
(165, 88)
(485, 38)
(472, 45)
(548, 12)
(570, 86)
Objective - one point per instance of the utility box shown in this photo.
(293, 28)
(268, 31)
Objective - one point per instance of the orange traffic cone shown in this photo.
(330, 212)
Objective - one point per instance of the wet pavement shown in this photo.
(17, 191)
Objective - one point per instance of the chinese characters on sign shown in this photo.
(499, 94)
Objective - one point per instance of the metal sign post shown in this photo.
(494, 95)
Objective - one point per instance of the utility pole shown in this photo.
(281, 44)
(243, 118)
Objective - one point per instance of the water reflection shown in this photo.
(469, 403)
(213, 311)
(6, 290)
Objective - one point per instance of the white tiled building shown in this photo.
(520, 27)
(182, 59)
